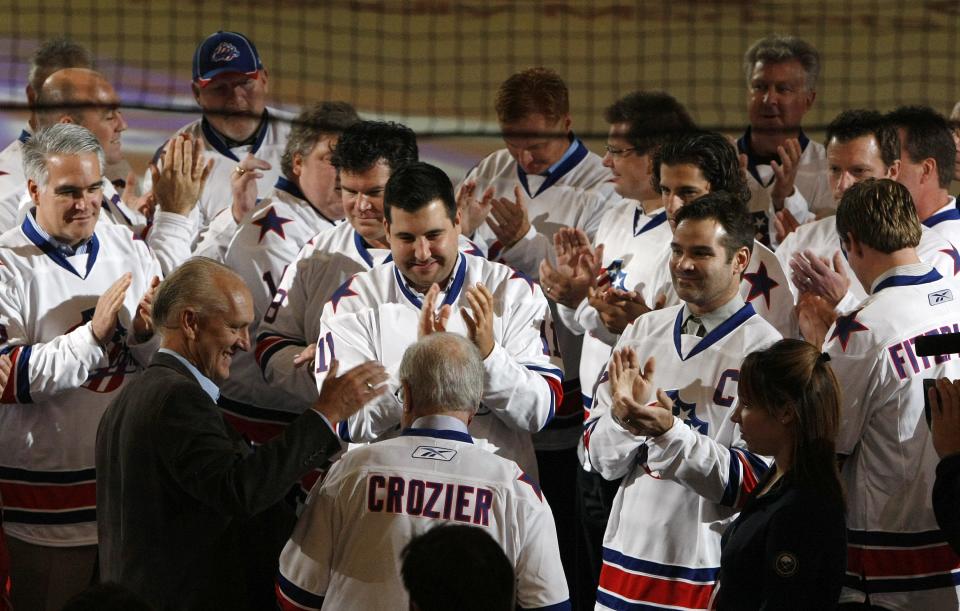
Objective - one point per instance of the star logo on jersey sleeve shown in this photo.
(760, 284)
(953, 254)
(340, 293)
(845, 327)
(271, 221)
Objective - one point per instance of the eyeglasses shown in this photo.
(615, 152)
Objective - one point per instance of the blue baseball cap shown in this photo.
(224, 52)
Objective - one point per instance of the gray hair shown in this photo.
(56, 54)
(777, 49)
(320, 119)
(195, 284)
(58, 139)
(443, 372)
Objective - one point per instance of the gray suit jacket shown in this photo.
(189, 516)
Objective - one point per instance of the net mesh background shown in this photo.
(436, 64)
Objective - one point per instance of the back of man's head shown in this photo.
(365, 143)
(416, 185)
(730, 212)
(880, 214)
(68, 92)
(58, 139)
(779, 49)
(55, 54)
(653, 117)
(857, 123)
(713, 153)
(927, 135)
(443, 373)
(534, 91)
(457, 567)
(315, 121)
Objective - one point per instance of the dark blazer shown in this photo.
(189, 516)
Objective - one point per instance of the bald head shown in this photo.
(84, 97)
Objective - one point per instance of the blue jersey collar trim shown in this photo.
(932, 276)
(571, 159)
(438, 434)
(453, 293)
(36, 235)
(951, 214)
(658, 219)
(363, 249)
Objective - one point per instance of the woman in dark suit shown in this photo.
(787, 549)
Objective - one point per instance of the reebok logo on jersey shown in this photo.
(938, 297)
(432, 453)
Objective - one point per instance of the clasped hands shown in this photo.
(632, 390)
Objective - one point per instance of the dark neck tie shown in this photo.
(694, 326)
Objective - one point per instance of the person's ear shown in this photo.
(741, 260)
(297, 166)
(190, 323)
(34, 190)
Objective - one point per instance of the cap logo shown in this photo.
(224, 52)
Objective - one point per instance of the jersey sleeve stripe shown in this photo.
(268, 345)
(343, 429)
(294, 598)
(17, 389)
(744, 473)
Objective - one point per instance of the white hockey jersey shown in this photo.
(679, 490)
(575, 194)
(632, 244)
(269, 146)
(260, 251)
(62, 379)
(821, 238)
(896, 553)
(13, 182)
(946, 221)
(811, 190)
(374, 316)
(344, 553)
(292, 320)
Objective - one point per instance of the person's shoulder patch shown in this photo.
(786, 564)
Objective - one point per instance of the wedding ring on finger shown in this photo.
(240, 171)
(548, 289)
(370, 387)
